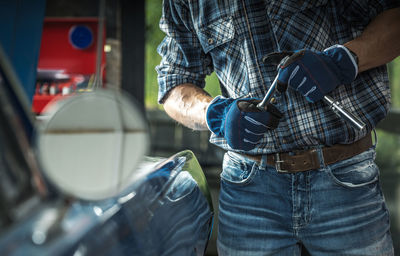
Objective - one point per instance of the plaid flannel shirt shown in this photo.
(230, 37)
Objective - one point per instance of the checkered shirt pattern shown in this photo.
(231, 37)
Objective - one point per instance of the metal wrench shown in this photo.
(336, 106)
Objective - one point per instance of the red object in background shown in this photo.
(58, 52)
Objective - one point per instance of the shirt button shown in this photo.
(210, 41)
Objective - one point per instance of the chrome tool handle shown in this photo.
(270, 93)
(268, 96)
(339, 110)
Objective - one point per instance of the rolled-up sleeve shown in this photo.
(378, 6)
(183, 60)
(361, 12)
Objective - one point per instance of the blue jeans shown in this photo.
(336, 210)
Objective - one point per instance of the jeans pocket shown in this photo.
(238, 170)
(357, 171)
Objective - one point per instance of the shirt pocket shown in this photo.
(279, 9)
(216, 34)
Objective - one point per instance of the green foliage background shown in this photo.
(388, 149)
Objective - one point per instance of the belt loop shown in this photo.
(375, 139)
(263, 162)
(320, 156)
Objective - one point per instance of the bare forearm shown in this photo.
(187, 104)
(380, 41)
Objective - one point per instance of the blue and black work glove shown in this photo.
(240, 122)
(315, 74)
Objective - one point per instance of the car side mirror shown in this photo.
(89, 144)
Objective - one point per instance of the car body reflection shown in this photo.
(167, 211)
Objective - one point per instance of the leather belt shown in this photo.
(305, 160)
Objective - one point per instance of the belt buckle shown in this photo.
(278, 163)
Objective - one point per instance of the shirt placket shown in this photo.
(262, 44)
